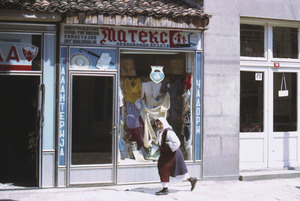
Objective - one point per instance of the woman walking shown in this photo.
(171, 162)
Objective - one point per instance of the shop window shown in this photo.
(252, 40)
(285, 102)
(143, 99)
(251, 103)
(20, 52)
(285, 42)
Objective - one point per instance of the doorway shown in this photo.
(92, 120)
(19, 130)
(269, 118)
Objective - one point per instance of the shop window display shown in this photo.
(142, 101)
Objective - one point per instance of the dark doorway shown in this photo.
(92, 101)
(19, 141)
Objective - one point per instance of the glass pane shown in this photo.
(20, 52)
(285, 102)
(252, 102)
(252, 40)
(285, 42)
(138, 131)
(92, 120)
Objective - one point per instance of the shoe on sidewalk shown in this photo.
(193, 181)
(164, 191)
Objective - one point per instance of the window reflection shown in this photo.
(285, 42)
(252, 40)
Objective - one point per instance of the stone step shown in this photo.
(268, 174)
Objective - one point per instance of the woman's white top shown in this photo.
(171, 138)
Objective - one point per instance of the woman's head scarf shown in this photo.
(164, 122)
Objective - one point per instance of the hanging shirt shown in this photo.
(132, 89)
(151, 91)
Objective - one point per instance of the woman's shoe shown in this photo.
(164, 191)
(193, 181)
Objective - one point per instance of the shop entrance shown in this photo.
(91, 136)
(19, 130)
(269, 118)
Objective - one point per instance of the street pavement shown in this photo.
(262, 190)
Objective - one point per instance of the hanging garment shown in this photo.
(175, 91)
(132, 116)
(186, 100)
(151, 91)
(136, 134)
(121, 97)
(141, 106)
(159, 111)
(132, 89)
(187, 82)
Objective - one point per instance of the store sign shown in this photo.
(16, 52)
(131, 37)
(62, 108)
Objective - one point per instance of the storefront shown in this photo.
(118, 80)
(83, 83)
(27, 77)
(269, 112)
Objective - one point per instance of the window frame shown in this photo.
(261, 23)
(268, 44)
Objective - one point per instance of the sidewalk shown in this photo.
(262, 190)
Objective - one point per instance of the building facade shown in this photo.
(83, 82)
(251, 58)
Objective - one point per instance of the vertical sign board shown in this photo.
(198, 107)
(62, 107)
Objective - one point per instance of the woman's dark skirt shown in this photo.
(171, 164)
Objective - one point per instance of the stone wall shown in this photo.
(221, 91)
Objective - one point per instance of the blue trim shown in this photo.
(198, 130)
(62, 107)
